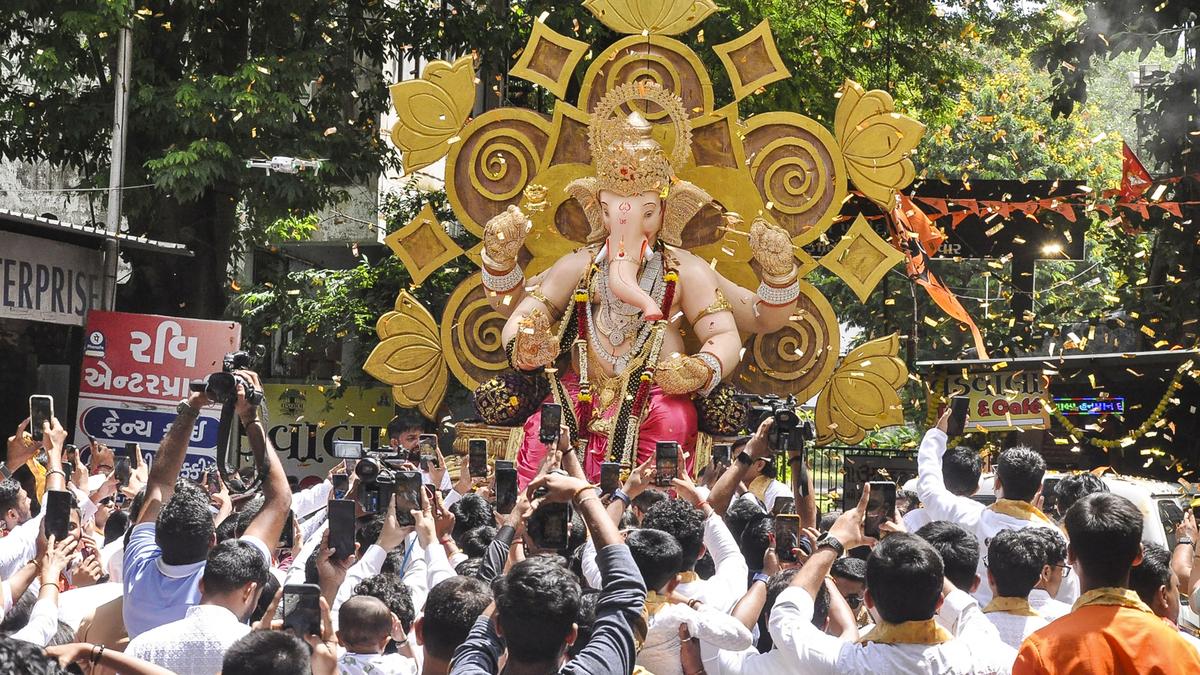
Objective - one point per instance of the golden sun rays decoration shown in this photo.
(781, 166)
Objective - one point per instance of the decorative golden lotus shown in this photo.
(782, 166)
(861, 395)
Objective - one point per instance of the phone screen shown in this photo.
(341, 485)
(610, 477)
(506, 488)
(666, 463)
(881, 506)
(959, 407)
(551, 422)
(341, 527)
(477, 457)
(122, 471)
(408, 496)
(41, 409)
(348, 449)
(302, 609)
(287, 536)
(721, 454)
(428, 443)
(787, 536)
(57, 520)
(549, 526)
(783, 505)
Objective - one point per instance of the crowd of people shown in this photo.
(158, 574)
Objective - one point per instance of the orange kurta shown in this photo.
(1106, 639)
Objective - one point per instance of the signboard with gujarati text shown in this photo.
(45, 280)
(1000, 400)
(136, 368)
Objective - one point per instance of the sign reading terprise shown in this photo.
(45, 280)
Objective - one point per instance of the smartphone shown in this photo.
(408, 496)
(959, 406)
(41, 409)
(287, 536)
(787, 536)
(70, 453)
(134, 452)
(610, 477)
(477, 458)
(550, 526)
(348, 449)
(506, 488)
(721, 454)
(551, 423)
(666, 463)
(881, 506)
(428, 443)
(1049, 500)
(122, 471)
(505, 464)
(783, 505)
(374, 495)
(57, 520)
(341, 527)
(302, 609)
(341, 485)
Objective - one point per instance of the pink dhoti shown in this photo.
(669, 418)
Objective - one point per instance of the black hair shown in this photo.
(247, 513)
(778, 584)
(828, 520)
(961, 467)
(770, 469)
(1015, 560)
(227, 529)
(647, 499)
(269, 590)
(1054, 548)
(451, 609)
(1020, 471)
(65, 635)
(185, 525)
(681, 520)
(536, 604)
(576, 533)
(628, 520)
(10, 494)
(367, 531)
(904, 575)
(390, 589)
(470, 512)
(469, 567)
(756, 539)
(18, 615)
(232, 564)
(850, 568)
(1104, 532)
(363, 620)
(706, 567)
(115, 526)
(907, 500)
(958, 548)
(1075, 487)
(657, 554)
(476, 540)
(18, 657)
(739, 513)
(405, 420)
(584, 621)
(312, 574)
(1152, 573)
(266, 652)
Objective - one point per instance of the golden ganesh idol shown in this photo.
(605, 324)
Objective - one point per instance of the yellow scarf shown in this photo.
(1018, 606)
(927, 632)
(758, 488)
(654, 603)
(1111, 595)
(1019, 509)
(688, 577)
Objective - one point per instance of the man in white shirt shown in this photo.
(905, 588)
(1018, 481)
(450, 610)
(232, 581)
(364, 631)
(1055, 571)
(961, 468)
(14, 505)
(1014, 564)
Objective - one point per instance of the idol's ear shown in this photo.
(684, 200)
(586, 191)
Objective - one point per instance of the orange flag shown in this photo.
(1135, 179)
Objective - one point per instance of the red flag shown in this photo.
(916, 222)
(1135, 179)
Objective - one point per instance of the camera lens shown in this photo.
(367, 469)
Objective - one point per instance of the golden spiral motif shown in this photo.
(798, 170)
(471, 334)
(798, 358)
(659, 59)
(496, 158)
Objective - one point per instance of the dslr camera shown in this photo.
(222, 387)
(788, 431)
(376, 480)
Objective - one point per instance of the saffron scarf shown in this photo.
(1021, 510)
(927, 632)
(1111, 595)
(1018, 606)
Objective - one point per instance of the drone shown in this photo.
(284, 164)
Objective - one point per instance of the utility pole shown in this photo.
(116, 172)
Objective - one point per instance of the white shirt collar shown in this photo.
(179, 571)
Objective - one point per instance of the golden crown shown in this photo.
(628, 160)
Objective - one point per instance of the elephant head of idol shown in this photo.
(634, 201)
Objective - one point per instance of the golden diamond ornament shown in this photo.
(752, 61)
(423, 245)
(861, 258)
(549, 59)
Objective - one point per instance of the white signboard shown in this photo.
(45, 280)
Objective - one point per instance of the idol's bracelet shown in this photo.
(503, 283)
(777, 296)
(714, 364)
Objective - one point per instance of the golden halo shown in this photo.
(607, 127)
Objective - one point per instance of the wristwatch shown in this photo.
(185, 408)
(1185, 540)
(761, 576)
(744, 458)
(826, 541)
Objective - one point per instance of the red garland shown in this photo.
(646, 376)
